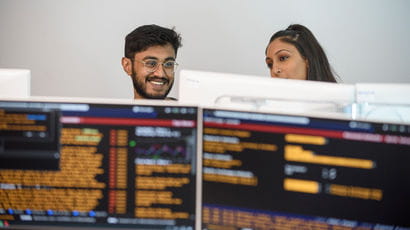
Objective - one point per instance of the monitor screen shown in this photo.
(97, 165)
(276, 171)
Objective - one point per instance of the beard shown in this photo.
(140, 86)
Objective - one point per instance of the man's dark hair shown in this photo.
(305, 42)
(147, 36)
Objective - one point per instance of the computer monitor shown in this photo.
(383, 101)
(279, 171)
(97, 164)
(264, 93)
(15, 82)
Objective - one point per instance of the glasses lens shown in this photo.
(151, 64)
(169, 65)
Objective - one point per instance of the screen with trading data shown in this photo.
(271, 171)
(29, 140)
(90, 165)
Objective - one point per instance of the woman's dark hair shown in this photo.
(147, 36)
(318, 65)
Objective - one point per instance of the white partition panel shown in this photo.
(15, 82)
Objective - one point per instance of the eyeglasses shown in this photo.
(168, 66)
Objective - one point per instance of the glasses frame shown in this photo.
(151, 70)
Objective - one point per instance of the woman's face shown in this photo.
(285, 61)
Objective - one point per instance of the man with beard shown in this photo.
(149, 60)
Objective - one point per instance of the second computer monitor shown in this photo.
(264, 93)
(277, 171)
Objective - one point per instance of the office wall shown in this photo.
(74, 47)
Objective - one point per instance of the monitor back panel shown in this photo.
(97, 165)
(270, 171)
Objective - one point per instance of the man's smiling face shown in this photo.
(150, 84)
